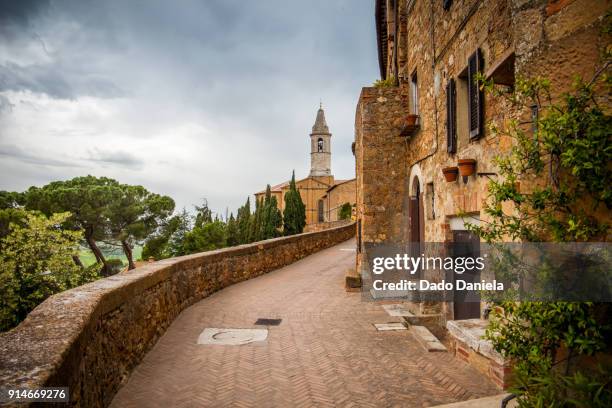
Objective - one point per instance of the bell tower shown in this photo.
(320, 146)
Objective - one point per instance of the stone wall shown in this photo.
(336, 197)
(326, 225)
(381, 169)
(553, 39)
(91, 337)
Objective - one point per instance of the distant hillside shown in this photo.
(110, 252)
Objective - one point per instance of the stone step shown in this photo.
(352, 282)
(392, 326)
(427, 320)
(486, 402)
(397, 310)
(426, 339)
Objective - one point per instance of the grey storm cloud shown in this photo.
(30, 157)
(186, 95)
(20, 11)
(35, 78)
(117, 157)
(53, 81)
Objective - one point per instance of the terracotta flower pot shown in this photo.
(411, 120)
(450, 174)
(466, 167)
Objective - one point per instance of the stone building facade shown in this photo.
(430, 50)
(314, 188)
(336, 196)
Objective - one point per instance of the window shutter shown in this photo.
(451, 116)
(476, 96)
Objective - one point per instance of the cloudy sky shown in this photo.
(193, 99)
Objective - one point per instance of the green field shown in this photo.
(88, 258)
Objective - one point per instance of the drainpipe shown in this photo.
(435, 98)
(396, 40)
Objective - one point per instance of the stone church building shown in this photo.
(321, 193)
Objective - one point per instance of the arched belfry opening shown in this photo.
(320, 154)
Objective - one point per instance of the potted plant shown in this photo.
(411, 120)
(450, 173)
(466, 167)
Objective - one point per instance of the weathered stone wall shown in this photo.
(553, 39)
(441, 42)
(91, 337)
(336, 197)
(381, 170)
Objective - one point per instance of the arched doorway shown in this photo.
(416, 218)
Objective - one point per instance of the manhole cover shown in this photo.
(232, 337)
(268, 322)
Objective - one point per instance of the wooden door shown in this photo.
(466, 244)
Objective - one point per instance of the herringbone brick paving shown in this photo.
(325, 353)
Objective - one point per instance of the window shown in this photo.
(320, 145)
(451, 116)
(321, 211)
(414, 93)
(502, 71)
(475, 96)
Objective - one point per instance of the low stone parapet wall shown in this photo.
(91, 337)
(326, 225)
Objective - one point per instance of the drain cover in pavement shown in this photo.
(389, 326)
(268, 322)
(232, 337)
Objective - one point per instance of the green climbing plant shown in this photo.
(554, 185)
(385, 83)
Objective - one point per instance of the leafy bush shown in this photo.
(564, 157)
(345, 212)
(36, 261)
(385, 83)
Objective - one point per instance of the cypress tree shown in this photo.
(275, 220)
(233, 234)
(256, 219)
(271, 216)
(294, 216)
(244, 222)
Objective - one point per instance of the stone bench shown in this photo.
(469, 345)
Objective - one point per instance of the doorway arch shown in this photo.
(416, 218)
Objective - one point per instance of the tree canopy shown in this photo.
(104, 210)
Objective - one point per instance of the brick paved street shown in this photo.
(325, 352)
